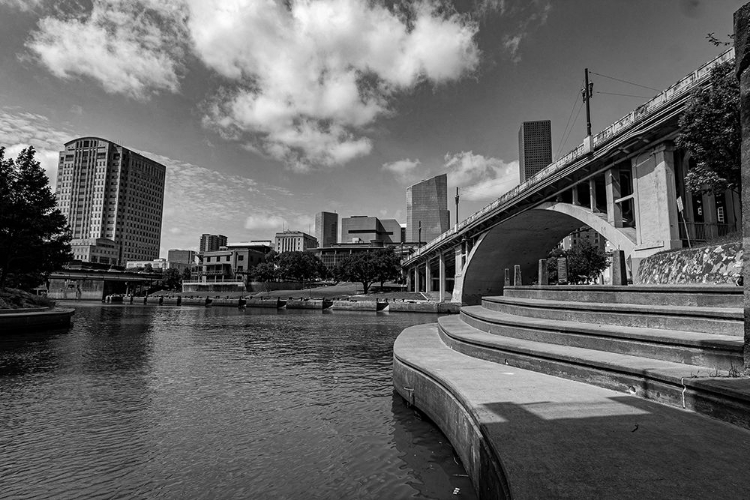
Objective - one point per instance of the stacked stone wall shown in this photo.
(709, 265)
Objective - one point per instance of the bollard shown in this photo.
(507, 277)
(619, 269)
(517, 275)
(562, 271)
(543, 272)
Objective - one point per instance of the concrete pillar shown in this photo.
(407, 272)
(619, 268)
(517, 281)
(592, 194)
(574, 192)
(543, 272)
(441, 276)
(507, 277)
(428, 276)
(612, 184)
(416, 278)
(562, 271)
(658, 224)
(742, 66)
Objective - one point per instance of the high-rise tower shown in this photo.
(212, 242)
(326, 228)
(113, 199)
(534, 147)
(427, 206)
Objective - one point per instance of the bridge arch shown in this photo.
(523, 240)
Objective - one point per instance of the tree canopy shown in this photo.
(172, 279)
(586, 262)
(369, 267)
(34, 240)
(299, 266)
(712, 132)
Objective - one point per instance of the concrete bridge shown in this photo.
(623, 183)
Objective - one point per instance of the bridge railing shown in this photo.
(671, 93)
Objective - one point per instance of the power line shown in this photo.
(625, 95)
(625, 81)
(559, 143)
(565, 141)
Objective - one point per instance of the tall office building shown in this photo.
(326, 228)
(212, 242)
(113, 199)
(534, 147)
(294, 241)
(427, 205)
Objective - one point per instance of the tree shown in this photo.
(265, 272)
(187, 274)
(586, 262)
(172, 279)
(388, 266)
(34, 239)
(148, 268)
(711, 131)
(368, 268)
(299, 266)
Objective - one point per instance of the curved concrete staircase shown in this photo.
(589, 391)
(677, 345)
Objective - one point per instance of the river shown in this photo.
(194, 402)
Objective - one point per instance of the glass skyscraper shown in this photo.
(427, 205)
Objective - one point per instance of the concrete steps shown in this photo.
(683, 349)
(691, 348)
(723, 320)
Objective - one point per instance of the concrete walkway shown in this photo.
(557, 438)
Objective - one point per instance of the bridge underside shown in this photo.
(522, 240)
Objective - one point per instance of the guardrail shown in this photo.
(665, 97)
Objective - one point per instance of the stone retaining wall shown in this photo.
(714, 265)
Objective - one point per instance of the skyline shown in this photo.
(331, 105)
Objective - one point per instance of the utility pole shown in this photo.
(588, 92)
(456, 205)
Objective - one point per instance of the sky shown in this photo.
(266, 112)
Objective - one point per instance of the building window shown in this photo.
(240, 257)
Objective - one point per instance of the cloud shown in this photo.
(267, 221)
(22, 5)
(306, 79)
(527, 15)
(130, 47)
(481, 178)
(404, 170)
(19, 130)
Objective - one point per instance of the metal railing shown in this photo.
(701, 231)
(665, 97)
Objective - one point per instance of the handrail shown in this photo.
(665, 97)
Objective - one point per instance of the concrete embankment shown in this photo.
(22, 320)
(527, 435)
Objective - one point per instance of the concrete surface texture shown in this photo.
(555, 438)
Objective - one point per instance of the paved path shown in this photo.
(558, 438)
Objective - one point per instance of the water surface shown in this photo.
(193, 402)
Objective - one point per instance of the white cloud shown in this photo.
(404, 170)
(22, 5)
(309, 77)
(479, 177)
(268, 221)
(130, 47)
(19, 130)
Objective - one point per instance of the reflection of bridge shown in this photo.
(623, 183)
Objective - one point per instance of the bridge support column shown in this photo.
(428, 276)
(407, 272)
(654, 183)
(416, 278)
(592, 195)
(614, 210)
(441, 276)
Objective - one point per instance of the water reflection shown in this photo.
(177, 402)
